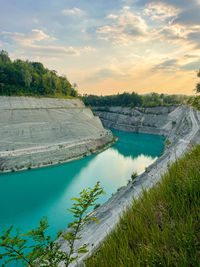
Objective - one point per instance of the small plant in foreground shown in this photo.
(173, 123)
(134, 175)
(167, 143)
(45, 251)
(97, 206)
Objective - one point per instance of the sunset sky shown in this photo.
(108, 46)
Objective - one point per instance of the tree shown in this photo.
(31, 78)
(4, 57)
(46, 251)
(198, 84)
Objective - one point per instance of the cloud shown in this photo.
(32, 41)
(73, 11)
(156, 27)
(176, 3)
(56, 50)
(178, 31)
(112, 16)
(190, 16)
(160, 11)
(195, 65)
(182, 35)
(126, 27)
(190, 56)
(28, 39)
(167, 65)
(169, 62)
(105, 73)
(129, 1)
(180, 22)
(155, 32)
(195, 37)
(187, 63)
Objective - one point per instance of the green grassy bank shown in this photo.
(162, 227)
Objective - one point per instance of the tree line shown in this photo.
(21, 77)
(134, 100)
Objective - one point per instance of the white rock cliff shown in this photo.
(42, 131)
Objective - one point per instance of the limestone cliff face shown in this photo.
(155, 120)
(41, 131)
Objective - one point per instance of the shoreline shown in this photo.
(89, 153)
(38, 132)
(109, 213)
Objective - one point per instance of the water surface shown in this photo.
(25, 197)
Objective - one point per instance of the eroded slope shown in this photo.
(41, 131)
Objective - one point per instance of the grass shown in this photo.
(162, 227)
(167, 142)
(56, 95)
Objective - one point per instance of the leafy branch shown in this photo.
(45, 250)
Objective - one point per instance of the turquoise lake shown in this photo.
(25, 197)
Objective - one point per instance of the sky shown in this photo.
(108, 46)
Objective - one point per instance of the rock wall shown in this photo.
(42, 131)
(156, 120)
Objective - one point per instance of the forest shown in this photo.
(134, 100)
(27, 78)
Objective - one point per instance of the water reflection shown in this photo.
(27, 196)
(136, 144)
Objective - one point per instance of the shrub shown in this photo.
(97, 206)
(134, 175)
(173, 123)
(45, 251)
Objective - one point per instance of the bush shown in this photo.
(134, 175)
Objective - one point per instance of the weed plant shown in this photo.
(45, 251)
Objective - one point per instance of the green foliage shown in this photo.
(97, 206)
(167, 142)
(44, 250)
(133, 100)
(161, 228)
(31, 78)
(134, 175)
(198, 84)
(173, 123)
(124, 99)
(195, 101)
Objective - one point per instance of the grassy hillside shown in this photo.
(162, 228)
